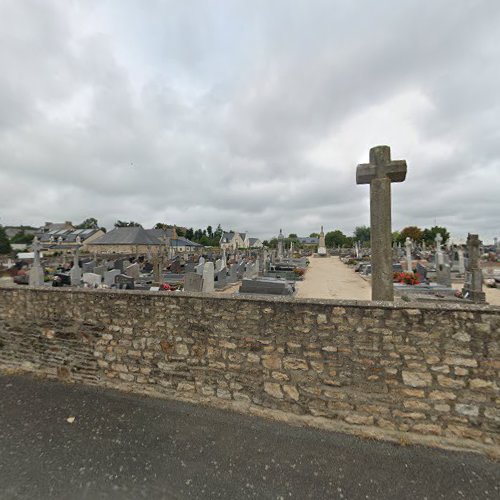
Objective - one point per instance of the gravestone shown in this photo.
(421, 272)
(36, 273)
(267, 286)
(176, 266)
(208, 277)
(109, 276)
(461, 261)
(221, 278)
(189, 267)
(280, 245)
(409, 266)
(92, 279)
(122, 281)
(233, 273)
(201, 260)
(241, 270)
(133, 271)
(218, 265)
(75, 273)
(380, 173)
(193, 282)
(443, 273)
(322, 244)
(439, 257)
(199, 268)
(101, 270)
(473, 283)
(88, 267)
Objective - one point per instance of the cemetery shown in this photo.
(408, 347)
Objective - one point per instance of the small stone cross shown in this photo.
(379, 173)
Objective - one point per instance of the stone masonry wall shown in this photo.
(431, 371)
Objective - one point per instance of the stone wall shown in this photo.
(400, 372)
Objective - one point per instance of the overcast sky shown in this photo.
(251, 114)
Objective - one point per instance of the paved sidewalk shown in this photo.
(126, 446)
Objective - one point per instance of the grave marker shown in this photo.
(380, 173)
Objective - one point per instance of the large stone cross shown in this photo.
(379, 173)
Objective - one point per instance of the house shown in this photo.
(232, 240)
(57, 226)
(68, 239)
(170, 237)
(137, 240)
(126, 240)
(255, 243)
(309, 241)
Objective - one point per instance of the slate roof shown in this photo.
(253, 241)
(127, 236)
(67, 235)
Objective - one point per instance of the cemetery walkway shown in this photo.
(329, 278)
(126, 446)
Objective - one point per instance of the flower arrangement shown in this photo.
(406, 278)
(299, 271)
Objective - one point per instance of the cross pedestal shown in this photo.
(379, 173)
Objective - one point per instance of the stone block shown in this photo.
(417, 379)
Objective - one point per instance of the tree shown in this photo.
(21, 238)
(362, 234)
(335, 238)
(5, 247)
(121, 223)
(293, 236)
(429, 235)
(90, 223)
(314, 235)
(210, 231)
(161, 225)
(412, 232)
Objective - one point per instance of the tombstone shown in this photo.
(218, 265)
(189, 267)
(75, 273)
(322, 244)
(133, 271)
(266, 286)
(241, 270)
(224, 258)
(122, 281)
(280, 245)
(193, 282)
(208, 277)
(147, 268)
(421, 272)
(109, 276)
(92, 279)
(439, 257)
(176, 266)
(100, 270)
(233, 273)
(201, 260)
(221, 278)
(443, 273)
(118, 264)
(473, 283)
(88, 267)
(36, 273)
(380, 173)
(199, 268)
(461, 261)
(409, 266)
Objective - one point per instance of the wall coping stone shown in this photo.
(362, 304)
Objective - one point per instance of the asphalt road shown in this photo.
(126, 446)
